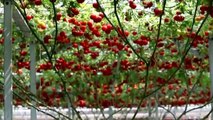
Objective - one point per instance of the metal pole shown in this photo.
(8, 97)
(156, 107)
(111, 113)
(211, 68)
(149, 109)
(71, 113)
(69, 110)
(33, 77)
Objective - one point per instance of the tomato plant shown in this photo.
(115, 53)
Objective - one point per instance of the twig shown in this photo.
(56, 29)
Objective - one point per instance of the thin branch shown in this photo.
(32, 30)
(169, 111)
(149, 63)
(56, 29)
(123, 37)
(190, 92)
(193, 22)
(187, 50)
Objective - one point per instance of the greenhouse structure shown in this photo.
(106, 60)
